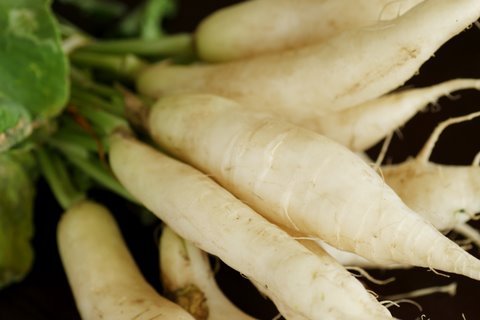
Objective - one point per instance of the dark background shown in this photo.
(45, 294)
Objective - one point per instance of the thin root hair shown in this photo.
(450, 289)
(383, 151)
(453, 96)
(426, 151)
(382, 176)
(295, 227)
(363, 273)
(438, 272)
(373, 293)
(389, 303)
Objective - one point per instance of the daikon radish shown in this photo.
(348, 69)
(303, 285)
(447, 195)
(302, 181)
(250, 28)
(189, 280)
(104, 278)
(362, 126)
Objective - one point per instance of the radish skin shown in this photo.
(302, 181)
(363, 126)
(231, 33)
(302, 285)
(104, 278)
(185, 269)
(314, 80)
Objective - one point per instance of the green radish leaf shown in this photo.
(17, 192)
(33, 68)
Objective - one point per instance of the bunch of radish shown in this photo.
(253, 156)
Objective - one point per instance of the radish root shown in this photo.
(425, 153)
(363, 273)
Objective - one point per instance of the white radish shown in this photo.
(447, 195)
(302, 181)
(188, 278)
(353, 67)
(302, 285)
(362, 126)
(256, 27)
(104, 278)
